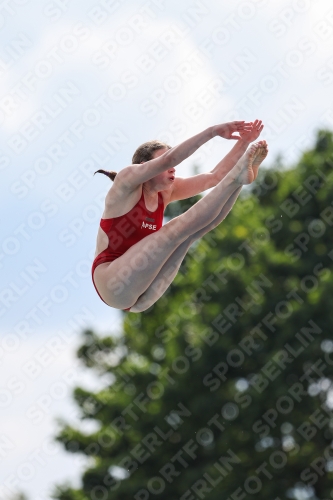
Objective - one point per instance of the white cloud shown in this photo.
(26, 435)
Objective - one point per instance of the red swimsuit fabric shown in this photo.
(126, 230)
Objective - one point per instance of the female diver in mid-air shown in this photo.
(136, 257)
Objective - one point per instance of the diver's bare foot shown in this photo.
(246, 169)
(260, 158)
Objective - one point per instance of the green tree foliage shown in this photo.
(18, 496)
(222, 390)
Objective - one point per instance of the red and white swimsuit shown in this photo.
(126, 230)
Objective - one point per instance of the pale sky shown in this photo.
(82, 84)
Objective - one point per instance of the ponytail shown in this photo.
(110, 174)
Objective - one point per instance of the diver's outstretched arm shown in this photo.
(134, 175)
